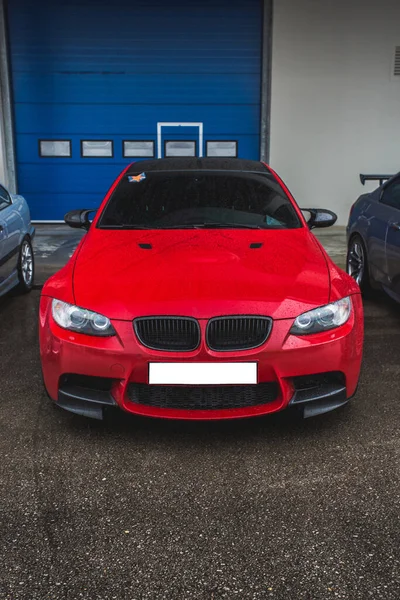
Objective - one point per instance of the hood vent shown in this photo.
(396, 68)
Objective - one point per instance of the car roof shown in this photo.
(198, 164)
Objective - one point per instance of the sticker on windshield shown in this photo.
(136, 178)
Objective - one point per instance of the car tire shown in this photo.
(357, 263)
(26, 267)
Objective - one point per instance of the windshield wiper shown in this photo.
(233, 226)
(124, 226)
(212, 225)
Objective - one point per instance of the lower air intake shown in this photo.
(207, 397)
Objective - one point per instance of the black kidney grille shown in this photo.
(237, 333)
(203, 397)
(179, 334)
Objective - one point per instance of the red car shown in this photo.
(199, 292)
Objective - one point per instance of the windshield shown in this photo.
(184, 200)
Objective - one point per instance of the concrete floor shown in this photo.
(134, 509)
(53, 246)
(334, 242)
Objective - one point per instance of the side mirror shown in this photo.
(320, 217)
(79, 219)
(16, 197)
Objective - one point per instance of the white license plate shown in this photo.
(202, 373)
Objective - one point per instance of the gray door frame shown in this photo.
(266, 64)
(6, 114)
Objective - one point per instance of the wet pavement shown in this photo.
(140, 509)
(334, 242)
(135, 509)
(53, 246)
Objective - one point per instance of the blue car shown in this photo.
(16, 235)
(373, 236)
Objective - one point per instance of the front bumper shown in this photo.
(119, 365)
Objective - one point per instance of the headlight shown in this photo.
(323, 318)
(78, 319)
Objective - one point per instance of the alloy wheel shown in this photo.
(356, 262)
(27, 263)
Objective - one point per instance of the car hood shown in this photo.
(200, 273)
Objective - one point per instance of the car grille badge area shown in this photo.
(169, 334)
(183, 334)
(237, 333)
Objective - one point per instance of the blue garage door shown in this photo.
(98, 84)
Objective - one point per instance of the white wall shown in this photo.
(335, 105)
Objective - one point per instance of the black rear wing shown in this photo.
(380, 178)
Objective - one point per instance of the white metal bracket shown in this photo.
(159, 132)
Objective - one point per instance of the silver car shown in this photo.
(16, 235)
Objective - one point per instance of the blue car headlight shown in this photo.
(324, 318)
(81, 320)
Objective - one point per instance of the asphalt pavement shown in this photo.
(134, 509)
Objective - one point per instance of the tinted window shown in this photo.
(4, 197)
(165, 200)
(391, 194)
